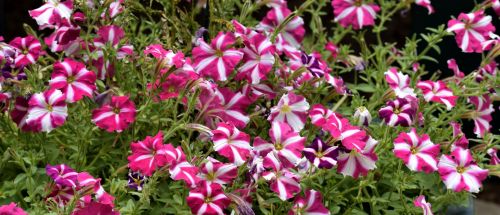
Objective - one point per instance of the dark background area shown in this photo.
(13, 13)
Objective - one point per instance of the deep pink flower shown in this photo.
(438, 92)
(319, 115)
(208, 199)
(337, 83)
(150, 154)
(292, 33)
(109, 34)
(86, 183)
(115, 116)
(355, 13)
(96, 208)
(47, 110)
(231, 143)
(426, 4)
(11, 209)
(459, 137)
(52, 13)
(422, 203)
(398, 112)
(417, 152)
(321, 154)
(258, 59)
(28, 50)
(62, 174)
(283, 182)
(291, 109)
(64, 38)
(471, 30)
(332, 48)
(114, 9)
(399, 83)
(287, 145)
(218, 59)
(73, 79)
(459, 171)
(493, 153)
(452, 64)
(311, 204)
(352, 137)
(215, 171)
(181, 169)
(482, 114)
(354, 163)
(19, 114)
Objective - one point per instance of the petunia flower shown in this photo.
(311, 204)
(482, 114)
(399, 83)
(207, 199)
(319, 115)
(96, 208)
(320, 154)
(73, 79)
(136, 180)
(218, 59)
(28, 50)
(426, 4)
(183, 170)
(452, 64)
(12, 209)
(291, 109)
(398, 112)
(283, 182)
(62, 174)
(47, 110)
(258, 59)
(115, 116)
(150, 154)
(52, 13)
(19, 114)
(471, 30)
(422, 203)
(231, 143)
(493, 153)
(215, 171)
(354, 163)
(438, 92)
(293, 32)
(332, 48)
(286, 145)
(92, 189)
(459, 171)
(459, 137)
(362, 116)
(355, 13)
(417, 152)
(352, 137)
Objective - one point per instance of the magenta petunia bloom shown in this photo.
(94, 208)
(150, 154)
(321, 154)
(482, 114)
(398, 112)
(352, 137)
(319, 115)
(355, 13)
(399, 83)
(115, 116)
(354, 163)
(311, 204)
(181, 169)
(471, 30)
(459, 171)
(62, 174)
(47, 110)
(292, 33)
(73, 79)
(426, 4)
(218, 59)
(286, 145)
(52, 13)
(19, 114)
(258, 59)
(438, 92)
(28, 50)
(283, 182)
(291, 109)
(231, 143)
(452, 64)
(208, 199)
(417, 152)
(422, 203)
(215, 171)
(459, 137)
(11, 209)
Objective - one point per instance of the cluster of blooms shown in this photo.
(272, 68)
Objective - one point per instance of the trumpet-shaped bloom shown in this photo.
(150, 154)
(452, 64)
(354, 163)
(208, 199)
(287, 145)
(459, 171)
(438, 92)
(471, 30)
(258, 59)
(19, 114)
(321, 154)
(115, 116)
(218, 59)
(293, 32)
(319, 115)
(422, 203)
(363, 116)
(283, 182)
(355, 13)
(398, 112)
(231, 143)
(352, 137)
(311, 204)
(459, 137)
(399, 82)
(73, 79)
(47, 110)
(291, 109)
(181, 169)
(482, 114)
(28, 50)
(417, 152)
(62, 174)
(426, 4)
(214, 171)
(52, 13)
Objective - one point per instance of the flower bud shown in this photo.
(362, 116)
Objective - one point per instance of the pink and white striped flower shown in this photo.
(291, 109)
(258, 59)
(321, 154)
(28, 50)
(218, 59)
(62, 174)
(417, 152)
(482, 114)
(422, 203)
(181, 169)
(354, 163)
(52, 13)
(426, 4)
(283, 182)
(495, 4)
(150, 154)
(452, 64)
(494, 159)
(287, 145)
(231, 143)
(398, 112)
(471, 30)
(459, 137)
(311, 204)
(217, 172)
(19, 113)
(47, 110)
(115, 116)
(352, 137)
(355, 13)
(459, 171)
(399, 83)
(207, 199)
(292, 33)
(73, 79)
(438, 92)
(319, 115)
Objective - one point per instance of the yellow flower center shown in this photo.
(286, 109)
(460, 169)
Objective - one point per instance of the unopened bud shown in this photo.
(362, 116)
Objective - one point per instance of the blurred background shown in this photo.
(13, 13)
